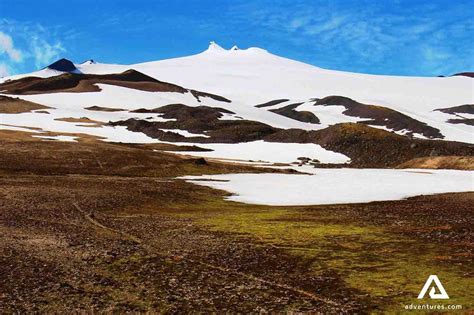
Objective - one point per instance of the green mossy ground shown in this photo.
(389, 267)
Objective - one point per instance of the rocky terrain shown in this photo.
(107, 228)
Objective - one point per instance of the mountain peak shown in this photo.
(88, 62)
(63, 65)
(235, 50)
(213, 46)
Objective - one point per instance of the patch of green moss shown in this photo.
(389, 268)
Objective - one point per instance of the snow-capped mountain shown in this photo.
(253, 76)
(234, 96)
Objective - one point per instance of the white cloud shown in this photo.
(7, 46)
(333, 23)
(298, 22)
(44, 52)
(4, 70)
(436, 60)
(25, 46)
(435, 55)
(427, 39)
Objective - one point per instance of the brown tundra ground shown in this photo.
(91, 226)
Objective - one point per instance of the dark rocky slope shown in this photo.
(366, 146)
(371, 147)
(63, 65)
(381, 116)
(73, 82)
(200, 120)
(290, 112)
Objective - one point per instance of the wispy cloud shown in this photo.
(7, 47)
(44, 52)
(23, 45)
(421, 37)
(4, 70)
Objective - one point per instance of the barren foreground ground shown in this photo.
(87, 226)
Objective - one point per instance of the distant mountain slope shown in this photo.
(254, 76)
(465, 74)
(63, 65)
(246, 95)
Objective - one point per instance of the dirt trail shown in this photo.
(89, 217)
(310, 295)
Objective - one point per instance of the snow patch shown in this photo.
(185, 133)
(337, 186)
(270, 152)
(58, 138)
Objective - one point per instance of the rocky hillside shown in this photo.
(244, 96)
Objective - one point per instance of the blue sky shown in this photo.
(383, 37)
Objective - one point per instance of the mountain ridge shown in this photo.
(252, 84)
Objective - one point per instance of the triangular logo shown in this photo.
(433, 279)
